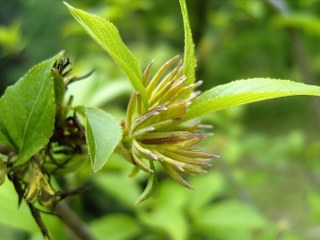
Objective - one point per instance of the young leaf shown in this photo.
(152, 187)
(190, 61)
(107, 35)
(103, 134)
(27, 111)
(246, 91)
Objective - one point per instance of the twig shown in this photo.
(78, 227)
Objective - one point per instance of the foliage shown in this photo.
(100, 144)
(157, 129)
(25, 127)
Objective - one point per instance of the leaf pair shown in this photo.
(215, 99)
(107, 36)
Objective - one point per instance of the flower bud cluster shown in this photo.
(157, 132)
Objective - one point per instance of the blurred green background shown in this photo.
(266, 183)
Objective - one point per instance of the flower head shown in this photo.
(156, 132)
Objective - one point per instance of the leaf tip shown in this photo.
(59, 55)
(67, 5)
(142, 198)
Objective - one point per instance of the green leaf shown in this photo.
(115, 227)
(107, 35)
(246, 91)
(27, 111)
(152, 187)
(103, 134)
(190, 61)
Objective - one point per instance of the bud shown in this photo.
(39, 189)
(157, 133)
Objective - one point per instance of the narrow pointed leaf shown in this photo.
(189, 61)
(107, 35)
(246, 91)
(103, 134)
(152, 187)
(27, 111)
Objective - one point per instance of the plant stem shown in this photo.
(68, 216)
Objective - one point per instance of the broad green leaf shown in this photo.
(107, 35)
(152, 187)
(246, 91)
(103, 134)
(115, 227)
(27, 111)
(190, 61)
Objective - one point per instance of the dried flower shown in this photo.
(157, 132)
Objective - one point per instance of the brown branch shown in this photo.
(75, 224)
